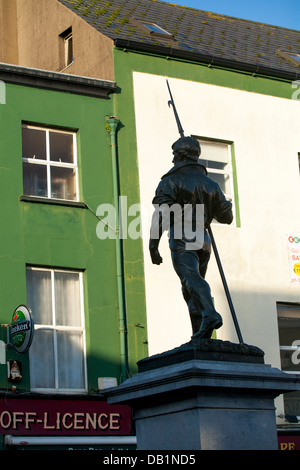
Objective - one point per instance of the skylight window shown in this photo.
(155, 29)
(296, 57)
(152, 28)
(291, 56)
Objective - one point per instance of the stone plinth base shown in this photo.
(185, 403)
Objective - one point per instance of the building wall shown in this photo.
(254, 255)
(260, 118)
(8, 32)
(33, 40)
(61, 236)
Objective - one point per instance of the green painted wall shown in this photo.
(127, 61)
(50, 235)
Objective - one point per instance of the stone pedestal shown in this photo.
(205, 395)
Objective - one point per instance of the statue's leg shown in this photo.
(204, 257)
(197, 292)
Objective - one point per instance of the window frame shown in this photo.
(66, 38)
(156, 30)
(145, 26)
(55, 328)
(291, 56)
(68, 46)
(48, 163)
(286, 305)
(230, 171)
(290, 348)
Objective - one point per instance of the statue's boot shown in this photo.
(209, 324)
(196, 320)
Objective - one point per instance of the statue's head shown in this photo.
(186, 148)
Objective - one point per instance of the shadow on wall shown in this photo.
(66, 370)
(257, 317)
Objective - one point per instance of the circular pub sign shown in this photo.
(21, 329)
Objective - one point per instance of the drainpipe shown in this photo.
(113, 125)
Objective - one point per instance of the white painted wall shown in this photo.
(265, 132)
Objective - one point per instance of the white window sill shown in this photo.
(60, 202)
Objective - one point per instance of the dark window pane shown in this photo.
(42, 368)
(69, 50)
(61, 147)
(222, 180)
(289, 330)
(212, 164)
(39, 295)
(71, 360)
(34, 143)
(34, 179)
(63, 183)
(292, 403)
(296, 56)
(217, 165)
(156, 29)
(67, 299)
(289, 360)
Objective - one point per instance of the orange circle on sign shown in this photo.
(297, 269)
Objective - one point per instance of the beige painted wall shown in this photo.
(8, 32)
(33, 40)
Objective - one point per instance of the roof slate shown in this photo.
(195, 32)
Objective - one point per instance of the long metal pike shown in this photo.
(171, 102)
(234, 317)
(235, 321)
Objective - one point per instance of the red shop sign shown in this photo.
(289, 442)
(63, 417)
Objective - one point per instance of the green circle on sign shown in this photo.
(21, 329)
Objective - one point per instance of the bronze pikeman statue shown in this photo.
(187, 185)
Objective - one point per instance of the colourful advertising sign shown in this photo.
(293, 246)
(63, 417)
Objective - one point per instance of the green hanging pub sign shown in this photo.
(21, 329)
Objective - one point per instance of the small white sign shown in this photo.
(2, 92)
(2, 352)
